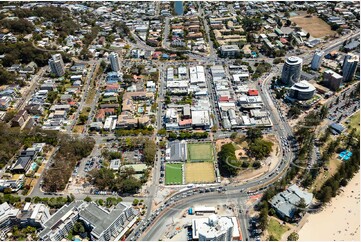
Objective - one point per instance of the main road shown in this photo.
(180, 201)
(154, 226)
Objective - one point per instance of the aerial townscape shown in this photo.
(179, 120)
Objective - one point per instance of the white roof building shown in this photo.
(240, 77)
(171, 114)
(7, 214)
(200, 118)
(108, 124)
(182, 71)
(115, 164)
(218, 72)
(225, 106)
(197, 74)
(170, 74)
(215, 228)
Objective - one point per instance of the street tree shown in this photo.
(293, 237)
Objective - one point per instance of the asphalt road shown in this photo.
(167, 217)
(34, 84)
(157, 226)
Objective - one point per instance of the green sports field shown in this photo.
(173, 174)
(200, 152)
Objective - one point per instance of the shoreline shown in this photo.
(340, 219)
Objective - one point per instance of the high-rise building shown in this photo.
(332, 80)
(57, 65)
(317, 60)
(291, 71)
(114, 61)
(349, 66)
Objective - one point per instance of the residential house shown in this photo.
(20, 118)
(5, 102)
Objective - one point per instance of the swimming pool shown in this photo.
(33, 166)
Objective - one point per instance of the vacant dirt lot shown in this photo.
(221, 142)
(314, 25)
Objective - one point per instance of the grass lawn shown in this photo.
(332, 165)
(78, 128)
(200, 152)
(173, 174)
(85, 111)
(355, 122)
(199, 172)
(276, 229)
(91, 96)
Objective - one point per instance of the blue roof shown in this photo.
(337, 127)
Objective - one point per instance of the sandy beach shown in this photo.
(340, 220)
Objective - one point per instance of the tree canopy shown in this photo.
(19, 26)
(227, 160)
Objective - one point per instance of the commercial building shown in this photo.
(285, 203)
(302, 91)
(57, 65)
(332, 80)
(114, 61)
(201, 119)
(170, 74)
(229, 50)
(317, 60)
(176, 151)
(218, 72)
(182, 72)
(104, 224)
(215, 228)
(349, 67)
(291, 71)
(197, 75)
